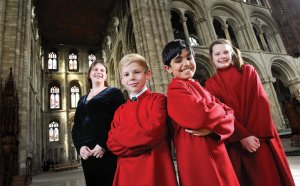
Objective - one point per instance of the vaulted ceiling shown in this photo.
(74, 22)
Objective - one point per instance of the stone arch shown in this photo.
(231, 21)
(267, 19)
(203, 69)
(283, 74)
(285, 69)
(265, 26)
(227, 11)
(250, 60)
(185, 16)
(188, 5)
(130, 37)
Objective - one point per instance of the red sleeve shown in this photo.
(226, 127)
(195, 112)
(114, 146)
(142, 135)
(240, 132)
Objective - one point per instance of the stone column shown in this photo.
(152, 30)
(185, 29)
(198, 30)
(240, 38)
(2, 25)
(264, 43)
(274, 104)
(225, 29)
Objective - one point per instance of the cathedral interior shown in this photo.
(46, 48)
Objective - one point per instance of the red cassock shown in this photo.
(138, 136)
(201, 160)
(244, 93)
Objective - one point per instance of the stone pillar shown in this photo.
(274, 104)
(153, 29)
(185, 29)
(198, 30)
(263, 41)
(280, 43)
(2, 25)
(225, 29)
(16, 53)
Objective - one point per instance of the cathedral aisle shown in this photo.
(66, 178)
(76, 178)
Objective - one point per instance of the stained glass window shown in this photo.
(52, 61)
(75, 95)
(53, 131)
(92, 58)
(54, 97)
(73, 63)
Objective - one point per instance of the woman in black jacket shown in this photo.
(92, 121)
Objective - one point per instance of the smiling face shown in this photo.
(98, 74)
(222, 55)
(182, 66)
(134, 77)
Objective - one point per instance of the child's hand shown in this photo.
(200, 132)
(250, 143)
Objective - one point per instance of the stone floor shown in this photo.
(76, 178)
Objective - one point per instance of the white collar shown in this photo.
(139, 93)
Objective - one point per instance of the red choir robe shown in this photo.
(138, 136)
(201, 160)
(244, 93)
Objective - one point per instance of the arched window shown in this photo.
(232, 36)
(219, 30)
(73, 63)
(53, 131)
(177, 26)
(92, 58)
(75, 94)
(193, 37)
(52, 61)
(256, 32)
(54, 96)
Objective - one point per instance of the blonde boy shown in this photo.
(138, 131)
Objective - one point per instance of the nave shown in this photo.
(76, 178)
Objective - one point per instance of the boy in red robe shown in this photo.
(201, 123)
(254, 148)
(138, 131)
